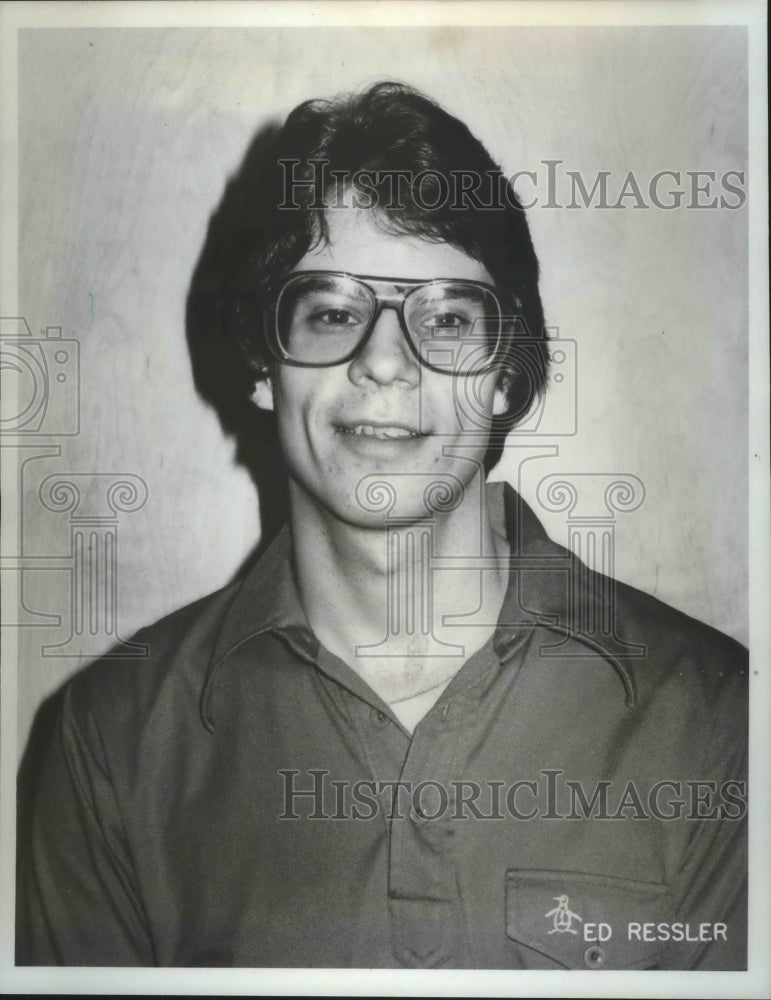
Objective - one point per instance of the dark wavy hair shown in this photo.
(385, 129)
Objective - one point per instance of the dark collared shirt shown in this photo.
(242, 798)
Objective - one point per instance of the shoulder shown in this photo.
(173, 653)
(689, 663)
(626, 623)
(676, 635)
(669, 661)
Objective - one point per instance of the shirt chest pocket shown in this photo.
(579, 920)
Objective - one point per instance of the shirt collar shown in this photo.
(548, 587)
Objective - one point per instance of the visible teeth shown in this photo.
(367, 430)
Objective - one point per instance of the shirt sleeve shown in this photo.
(78, 901)
(716, 896)
(712, 882)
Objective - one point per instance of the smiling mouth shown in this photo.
(382, 432)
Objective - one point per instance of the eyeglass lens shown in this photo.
(453, 325)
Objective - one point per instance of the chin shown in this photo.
(385, 498)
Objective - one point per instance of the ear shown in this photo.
(501, 396)
(262, 394)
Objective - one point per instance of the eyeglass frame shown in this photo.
(394, 301)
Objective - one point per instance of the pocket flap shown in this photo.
(582, 920)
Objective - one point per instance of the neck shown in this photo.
(375, 597)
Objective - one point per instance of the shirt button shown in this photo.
(594, 957)
(379, 719)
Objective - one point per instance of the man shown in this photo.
(403, 739)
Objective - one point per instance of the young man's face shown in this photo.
(382, 415)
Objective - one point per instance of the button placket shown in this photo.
(384, 746)
(421, 875)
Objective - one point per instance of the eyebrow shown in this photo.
(330, 283)
(450, 291)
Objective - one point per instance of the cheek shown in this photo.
(289, 408)
(302, 402)
(464, 405)
(295, 391)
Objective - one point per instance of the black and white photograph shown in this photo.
(385, 547)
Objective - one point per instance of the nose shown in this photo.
(386, 357)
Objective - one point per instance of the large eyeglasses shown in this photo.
(322, 318)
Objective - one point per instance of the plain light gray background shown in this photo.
(127, 138)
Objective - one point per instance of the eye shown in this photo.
(327, 319)
(334, 317)
(441, 321)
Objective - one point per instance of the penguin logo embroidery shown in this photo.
(563, 916)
